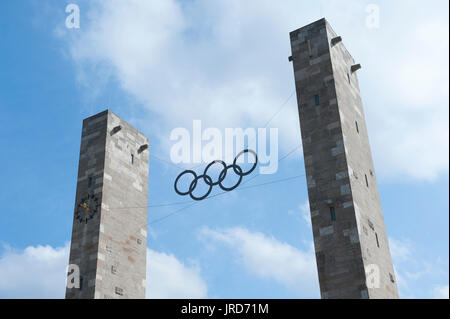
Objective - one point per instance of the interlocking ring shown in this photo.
(251, 169)
(179, 176)
(194, 184)
(224, 172)
(208, 180)
(221, 178)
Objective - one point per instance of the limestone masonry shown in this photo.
(350, 240)
(109, 236)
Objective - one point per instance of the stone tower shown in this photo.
(109, 236)
(350, 240)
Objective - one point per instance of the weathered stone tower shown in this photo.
(352, 250)
(109, 236)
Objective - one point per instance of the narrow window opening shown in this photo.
(376, 237)
(316, 99)
(81, 282)
(365, 231)
(348, 77)
(132, 159)
(139, 241)
(90, 182)
(309, 48)
(367, 182)
(113, 269)
(332, 214)
(391, 277)
(119, 291)
(357, 128)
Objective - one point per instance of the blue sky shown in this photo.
(160, 65)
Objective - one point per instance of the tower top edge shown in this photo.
(321, 21)
(109, 112)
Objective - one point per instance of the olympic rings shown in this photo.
(208, 180)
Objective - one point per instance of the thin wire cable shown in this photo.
(166, 161)
(201, 164)
(219, 194)
(280, 109)
(273, 182)
(285, 156)
(185, 202)
(267, 123)
(170, 214)
(222, 193)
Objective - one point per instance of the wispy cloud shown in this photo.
(40, 272)
(441, 292)
(225, 62)
(417, 277)
(168, 277)
(303, 212)
(269, 258)
(35, 272)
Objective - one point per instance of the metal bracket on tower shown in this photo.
(355, 67)
(142, 148)
(336, 40)
(116, 129)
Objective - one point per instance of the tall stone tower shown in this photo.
(351, 245)
(109, 236)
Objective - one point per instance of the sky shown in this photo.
(160, 65)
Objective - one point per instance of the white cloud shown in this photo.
(167, 277)
(40, 272)
(441, 292)
(400, 249)
(401, 257)
(415, 274)
(302, 211)
(203, 68)
(35, 272)
(306, 212)
(226, 63)
(413, 113)
(268, 258)
(404, 82)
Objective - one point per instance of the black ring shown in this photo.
(194, 183)
(253, 167)
(208, 180)
(224, 172)
(220, 179)
(176, 181)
